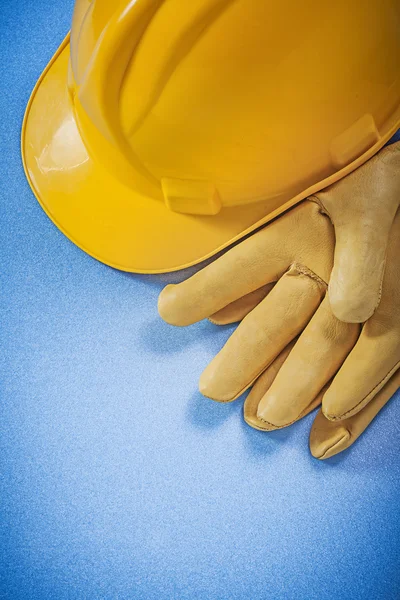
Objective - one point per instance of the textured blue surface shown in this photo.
(119, 481)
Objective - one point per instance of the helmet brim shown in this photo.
(106, 218)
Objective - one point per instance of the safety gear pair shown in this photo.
(163, 131)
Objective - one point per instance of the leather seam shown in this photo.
(366, 398)
(303, 270)
(225, 400)
(303, 413)
(277, 426)
(215, 322)
(332, 447)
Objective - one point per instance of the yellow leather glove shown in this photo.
(276, 283)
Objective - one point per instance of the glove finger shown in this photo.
(314, 360)
(262, 385)
(362, 207)
(328, 438)
(371, 363)
(258, 260)
(262, 335)
(237, 310)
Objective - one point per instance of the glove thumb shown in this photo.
(362, 207)
(356, 279)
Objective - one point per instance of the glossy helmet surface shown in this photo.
(164, 130)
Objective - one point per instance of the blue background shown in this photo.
(119, 481)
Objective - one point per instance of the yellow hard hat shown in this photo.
(164, 130)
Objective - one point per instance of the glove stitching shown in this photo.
(306, 271)
(366, 398)
(279, 426)
(221, 324)
(381, 282)
(334, 446)
(225, 400)
(303, 413)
